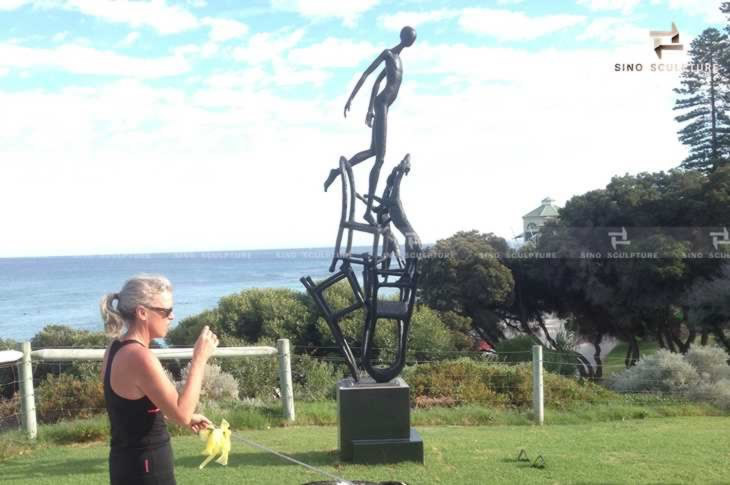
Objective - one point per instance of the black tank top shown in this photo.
(135, 423)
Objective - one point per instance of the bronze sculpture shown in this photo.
(378, 271)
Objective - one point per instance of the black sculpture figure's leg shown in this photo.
(357, 158)
(380, 128)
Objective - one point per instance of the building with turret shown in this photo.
(536, 218)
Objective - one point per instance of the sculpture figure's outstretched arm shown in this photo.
(364, 76)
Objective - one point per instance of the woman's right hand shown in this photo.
(205, 345)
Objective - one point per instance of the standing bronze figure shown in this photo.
(377, 116)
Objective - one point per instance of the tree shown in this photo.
(636, 297)
(709, 301)
(703, 98)
(464, 274)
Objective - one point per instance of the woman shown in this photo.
(138, 394)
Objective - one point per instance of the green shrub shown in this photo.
(716, 393)
(710, 361)
(80, 431)
(63, 336)
(702, 375)
(218, 385)
(465, 381)
(663, 371)
(515, 349)
(10, 411)
(187, 331)
(65, 396)
(314, 379)
(460, 328)
(252, 315)
(337, 297)
(428, 337)
(257, 377)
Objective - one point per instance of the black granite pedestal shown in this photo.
(374, 422)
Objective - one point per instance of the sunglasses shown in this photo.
(165, 312)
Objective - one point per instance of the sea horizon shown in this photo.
(36, 291)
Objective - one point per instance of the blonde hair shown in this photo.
(139, 290)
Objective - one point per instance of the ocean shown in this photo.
(35, 292)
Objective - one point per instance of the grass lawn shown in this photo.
(666, 450)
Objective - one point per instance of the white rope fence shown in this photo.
(26, 356)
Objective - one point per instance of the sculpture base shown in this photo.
(374, 422)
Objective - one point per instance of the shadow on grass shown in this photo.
(313, 458)
(39, 467)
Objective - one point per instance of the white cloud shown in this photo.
(267, 46)
(129, 39)
(157, 14)
(13, 4)
(86, 60)
(415, 19)
(626, 6)
(502, 24)
(614, 30)
(708, 9)
(222, 30)
(348, 11)
(59, 37)
(333, 52)
(508, 25)
(166, 19)
(238, 145)
(197, 3)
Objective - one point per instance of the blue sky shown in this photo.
(140, 126)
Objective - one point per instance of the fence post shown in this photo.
(285, 383)
(27, 400)
(538, 404)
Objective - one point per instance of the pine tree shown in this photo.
(704, 99)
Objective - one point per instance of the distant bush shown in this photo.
(66, 396)
(251, 315)
(9, 411)
(257, 377)
(428, 337)
(63, 336)
(710, 361)
(717, 393)
(256, 316)
(515, 349)
(663, 371)
(218, 385)
(701, 375)
(465, 381)
(314, 379)
(80, 431)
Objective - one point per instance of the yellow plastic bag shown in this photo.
(217, 440)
